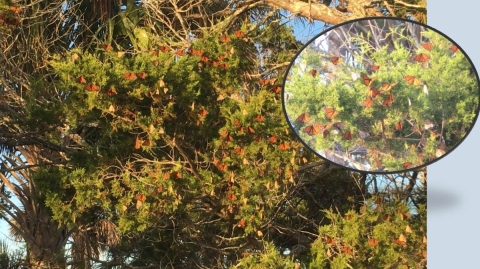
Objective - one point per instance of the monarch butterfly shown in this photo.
(348, 135)
(407, 165)
(222, 57)
(428, 46)
(142, 75)
(412, 80)
(336, 60)
(107, 47)
(283, 146)
(130, 76)
(398, 126)
(225, 38)
(374, 92)
(367, 103)
(239, 150)
(154, 53)
(223, 66)
(15, 10)
(388, 101)
(204, 59)
(111, 92)
(180, 52)
(314, 129)
(264, 82)
(164, 48)
(236, 123)
(203, 113)
(140, 197)
(81, 79)
(372, 242)
(155, 62)
(387, 86)
(272, 139)
(92, 87)
(259, 118)
(303, 118)
(223, 167)
(277, 88)
(421, 58)
(366, 80)
(195, 52)
(454, 48)
(314, 72)
(250, 130)
(375, 67)
(331, 113)
(238, 33)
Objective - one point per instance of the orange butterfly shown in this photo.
(366, 80)
(222, 57)
(273, 139)
(81, 79)
(203, 113)
(180, 52)
(239, 151)
(223, 66)
(259, 118)
(140, 197)
(195, 52)
(375, 67)
(314, 129)
(367, 103)
(303, 118)
(331, 113)
(277, 88)
(454, 48)
(266, 81)
(204, 59)
(107, 47)
(348, 135)
(388, 101)
(428, 46)
(92, 87)
(142, 75)
(250, 130)
(407, 165)
(164, 48)
(15, 10)
(336, 60)
(225, 38)
(387, 86)
(283, 146)
(398, 126)
(314, 72)
(412, 80)
(111, 92)
(130, 76)
(238, 33)
(374, 92)
(421, 58)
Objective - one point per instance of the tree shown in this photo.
(159, 138)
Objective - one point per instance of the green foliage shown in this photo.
(436, 95)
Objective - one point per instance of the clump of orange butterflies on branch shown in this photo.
(11, 16)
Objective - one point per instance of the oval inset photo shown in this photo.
(381, 95)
